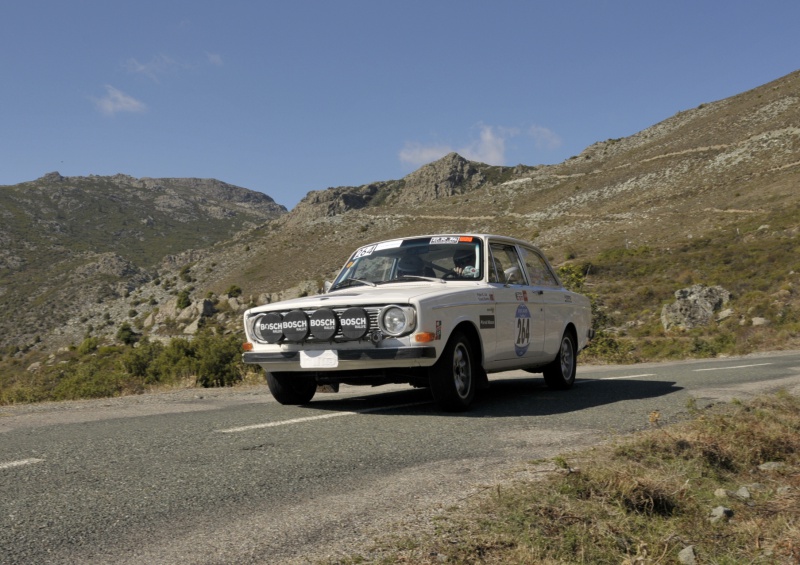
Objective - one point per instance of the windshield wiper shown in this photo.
(352, 281)
(421, 278)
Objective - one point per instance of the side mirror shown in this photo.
(327, 286)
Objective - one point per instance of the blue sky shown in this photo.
(289, 97)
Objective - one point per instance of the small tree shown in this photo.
(234, 291)
(183, 299)
(127, 335)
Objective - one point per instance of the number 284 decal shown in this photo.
(523, 321)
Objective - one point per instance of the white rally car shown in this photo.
(438, 311)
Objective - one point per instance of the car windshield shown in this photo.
(422, 258)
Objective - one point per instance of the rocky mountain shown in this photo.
(689, 200)
(71, 245)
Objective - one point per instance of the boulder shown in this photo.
(694, 306)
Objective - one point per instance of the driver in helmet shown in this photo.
(464, 263)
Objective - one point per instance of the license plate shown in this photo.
(322, 359)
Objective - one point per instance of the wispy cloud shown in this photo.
(116, 101)
(545, 138)
(489, 148)
(157, 66)
(215, 59)
(417, 154)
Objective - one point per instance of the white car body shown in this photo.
(446, 329)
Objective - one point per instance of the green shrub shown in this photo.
(183, 299)
(88, 345)
(126, 335)
(218, 359)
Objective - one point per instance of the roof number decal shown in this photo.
(364, 251)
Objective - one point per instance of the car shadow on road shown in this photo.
(505, 398)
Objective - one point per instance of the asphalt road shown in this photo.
(230, 476)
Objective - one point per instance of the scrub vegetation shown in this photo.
(94, 370)
(641, 499)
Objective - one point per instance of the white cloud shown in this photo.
(117, 101)
(417, 154)
(489, 148)
(215, 59)
(545, 138)
(158, 65)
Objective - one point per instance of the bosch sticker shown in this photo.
(522, 296)
(523, 321)
(438, 329)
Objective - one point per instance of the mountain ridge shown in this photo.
(709, 173)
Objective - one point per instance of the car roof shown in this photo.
(485, 236)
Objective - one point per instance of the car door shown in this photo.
(519, 310)
(551, 297)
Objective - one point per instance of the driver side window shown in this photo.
(507, 268)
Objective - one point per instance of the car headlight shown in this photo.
(397, 320)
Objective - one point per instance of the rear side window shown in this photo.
(538, 272)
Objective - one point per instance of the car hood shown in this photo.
(393, 293)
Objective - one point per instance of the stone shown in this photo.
(686, 556)
(725, 314)
(772, 466)
(192, 328)
(720, 514)
(694, 307)
(760, 321)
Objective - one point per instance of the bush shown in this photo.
(126, 335)
(183, 299)
(88, 345)
(218, 359)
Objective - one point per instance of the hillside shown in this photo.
(708, 196)
(70, 244)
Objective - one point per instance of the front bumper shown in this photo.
(346, 355)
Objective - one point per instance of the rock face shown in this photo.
(448, 176)
(694, 307)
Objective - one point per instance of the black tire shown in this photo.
(560, 373)
(288, 388)
(453, 377)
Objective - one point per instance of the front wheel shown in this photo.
(287, 388)
(452, 378)
(560, 373)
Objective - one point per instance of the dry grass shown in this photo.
(641, 500)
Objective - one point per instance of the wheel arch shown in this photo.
(469, 329)
(574, 333)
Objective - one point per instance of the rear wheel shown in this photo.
(560, 373)
(453, 377)
(288, 388)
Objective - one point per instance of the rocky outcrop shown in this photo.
(450, 175)
(335, 201)
(694, 306)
